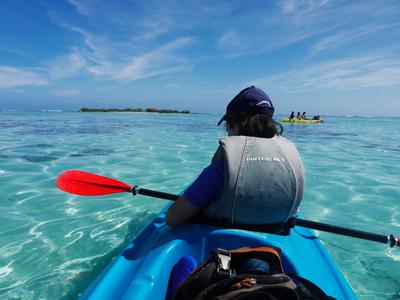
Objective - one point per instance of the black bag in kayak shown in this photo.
(246, 273)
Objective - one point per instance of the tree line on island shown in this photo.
(151, 110)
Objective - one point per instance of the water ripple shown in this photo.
(6, 270)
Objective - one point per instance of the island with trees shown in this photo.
(149, 110)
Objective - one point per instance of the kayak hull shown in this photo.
(142, 270)
(301, 121)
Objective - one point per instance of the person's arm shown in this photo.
(207, 186)
(181, 211)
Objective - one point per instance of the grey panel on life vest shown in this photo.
(263, 180)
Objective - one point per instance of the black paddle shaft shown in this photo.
(136, 190)
(349, 232)
(298, 222)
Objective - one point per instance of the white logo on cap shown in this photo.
(264, 102)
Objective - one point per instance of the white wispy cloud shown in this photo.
(153, 29)
(96, 46)
(95, 55)
(16, 51)
(90, 40)
(158, 61)
(67, 65)
(352, 73)
(173, 85)
(231, 39)
(318, 24)
(301, 7)
(351, 35)
(84, 7)
(67, 92)
(105, 58)
(338, 22)
(11, 77)
(288, 6)
(267, 30)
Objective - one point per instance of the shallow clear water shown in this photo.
(53, 244)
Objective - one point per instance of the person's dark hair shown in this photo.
(258, 125)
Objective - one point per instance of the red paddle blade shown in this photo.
(88, 184)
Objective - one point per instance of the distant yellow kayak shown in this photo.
(301, 121)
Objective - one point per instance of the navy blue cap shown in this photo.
(251, 100)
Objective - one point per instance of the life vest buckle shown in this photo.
(223, 259)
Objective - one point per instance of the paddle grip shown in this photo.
(394, 241)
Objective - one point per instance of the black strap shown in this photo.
(223, 287)
(276, 228)
(310, 289)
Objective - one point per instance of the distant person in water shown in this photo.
(291, 116)
(303, 116)
(298, 116)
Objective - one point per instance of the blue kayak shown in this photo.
(143, 269)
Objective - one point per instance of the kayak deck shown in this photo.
(142, 270)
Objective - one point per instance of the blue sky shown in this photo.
(327, 57)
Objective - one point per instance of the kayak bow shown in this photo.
(142, 270)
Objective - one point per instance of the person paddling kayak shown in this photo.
(256, 176)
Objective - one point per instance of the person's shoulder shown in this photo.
(283, 141)
(234, 140)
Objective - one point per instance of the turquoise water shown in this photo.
(53, 244)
